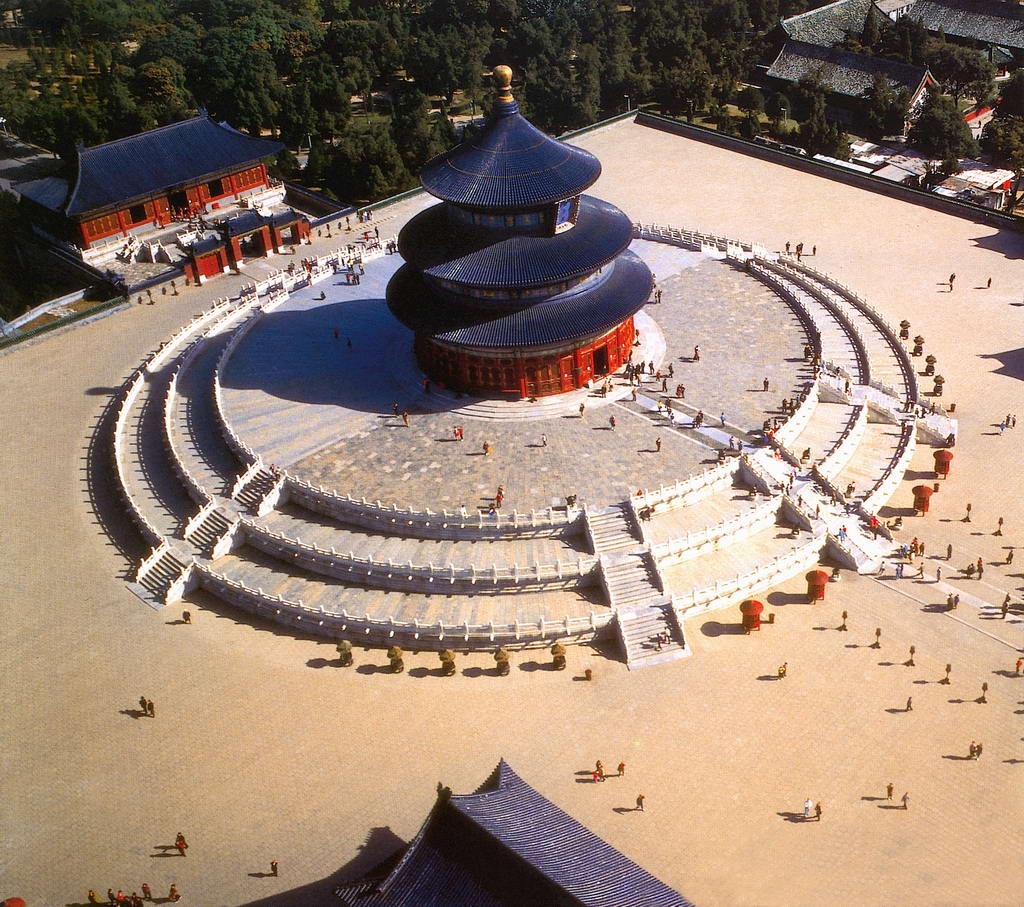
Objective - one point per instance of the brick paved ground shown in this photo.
(261, 750)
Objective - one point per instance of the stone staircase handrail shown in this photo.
(837, 309)
(834, 461)
(319, 620)
(858, 302)
(672, 548)
(342, 505)
(797, 421)
(516, 573)
(765, 574)
(151, 534)
(789, 297)
(684, 488)
(889, 481)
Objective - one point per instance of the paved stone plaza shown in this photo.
(306, 400)
(263, 749)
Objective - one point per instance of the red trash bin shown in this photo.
(751, 611)
(816, 582)
(943, 458)
(922, 494)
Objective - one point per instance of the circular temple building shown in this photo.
(517, 284)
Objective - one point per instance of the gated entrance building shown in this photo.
(517, 284)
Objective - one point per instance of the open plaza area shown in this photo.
(262, 748)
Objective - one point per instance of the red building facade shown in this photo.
(147, 181)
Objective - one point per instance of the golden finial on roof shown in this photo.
(503, 82)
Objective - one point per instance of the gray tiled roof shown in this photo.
(829, 25)
(841, 71)
(508, 846)
(153, 161)
(493, 258)
(998, 22)
(49, 192)
(583, 311)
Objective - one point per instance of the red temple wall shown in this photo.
(526, 373)
(158, 210)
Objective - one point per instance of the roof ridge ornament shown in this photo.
(503, 82)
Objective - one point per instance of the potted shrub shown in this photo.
(395, 654)
(918, 345)
(939, 381)
(344, 648)
(929, 364)
(904, 329)
(447, 657)
(501, 660)
(558, 656)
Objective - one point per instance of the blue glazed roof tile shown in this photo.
(581, 312)
(491, 258)
(506, 846)
(153, 161)
(511, 165)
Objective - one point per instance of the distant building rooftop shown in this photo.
(844, 72)
(829, 25)
(996, 22)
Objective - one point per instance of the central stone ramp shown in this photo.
(649, 634)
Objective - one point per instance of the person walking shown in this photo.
(910, 704)
(181, 843)
(696, 354)
(1018, 666)
(611, 423)
(92, 897)
(808, 806)
(765, 385)
(273, 867)
(142, 705)
(905, 800)
(405, 418)
(817, 812)
(952, 279)
(783, 670)
(949, 552)
(174, 894)
(622, 765)
(657, 445)
(640, 802)
(889, 788)
(977, 751)
(543, 440)
(582, 409)
(149, 708)
(147, 892)
(973, 750)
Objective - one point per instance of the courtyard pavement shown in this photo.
(262, 749)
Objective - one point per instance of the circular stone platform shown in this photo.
(313, 388)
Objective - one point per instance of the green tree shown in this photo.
(684, 90)
(885, 108)
(367, 166)
(751, 101)
(962, 71)
(940, 131)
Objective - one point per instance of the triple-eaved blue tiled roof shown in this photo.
(582, 312)
(510, 165)
(142, 165)
(509, 846)
(472, 255)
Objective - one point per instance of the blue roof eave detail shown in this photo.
(485, 258)
(577, 314)
(510, 166)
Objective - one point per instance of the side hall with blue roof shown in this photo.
(144, 182)
(506, 845)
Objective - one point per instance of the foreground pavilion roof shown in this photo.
(509, 845)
